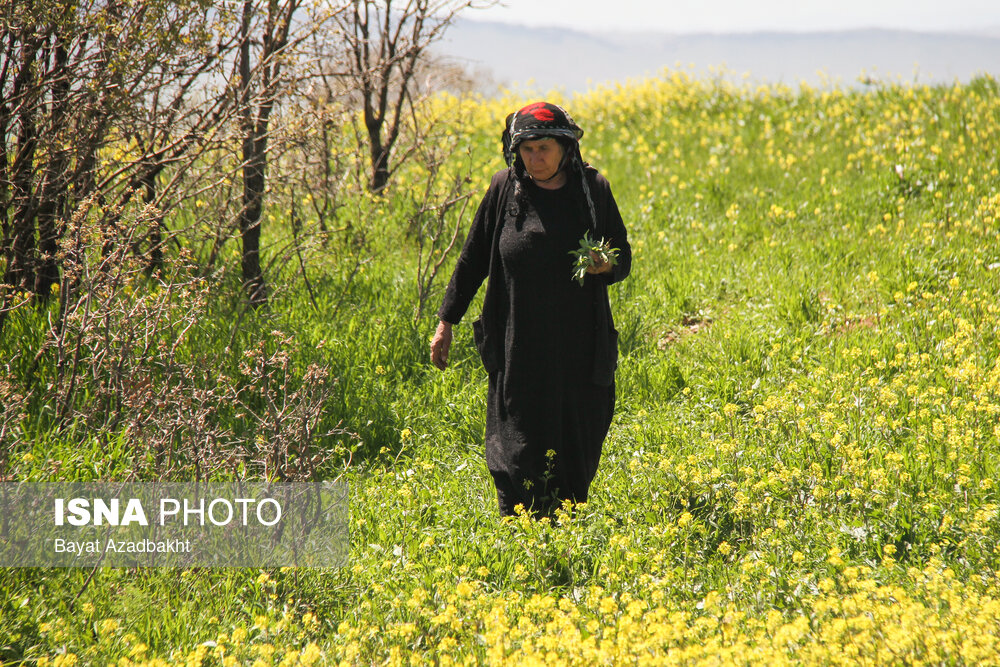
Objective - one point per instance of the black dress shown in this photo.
(546, 417)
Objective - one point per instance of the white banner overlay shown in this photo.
(110, 524)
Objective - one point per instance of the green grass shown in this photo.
(804, 455)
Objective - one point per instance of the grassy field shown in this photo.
(802, 469)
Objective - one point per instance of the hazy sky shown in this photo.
(680, 16)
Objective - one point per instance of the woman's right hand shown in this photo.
(440, 344)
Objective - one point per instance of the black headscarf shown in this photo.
(541, 120)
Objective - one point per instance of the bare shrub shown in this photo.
(435, 222)
(142, 357)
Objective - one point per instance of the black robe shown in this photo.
(548, 343)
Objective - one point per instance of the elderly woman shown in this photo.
(547, 342)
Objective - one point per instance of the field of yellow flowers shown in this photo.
(803, 467)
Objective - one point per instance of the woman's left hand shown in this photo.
(600, 266)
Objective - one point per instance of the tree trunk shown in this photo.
(378, 149)
(254, 163)
(20, 272)
(156, 233)
(380, 164)
(52, 193)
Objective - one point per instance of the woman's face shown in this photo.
(541, 157)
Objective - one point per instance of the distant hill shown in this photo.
(575, 61)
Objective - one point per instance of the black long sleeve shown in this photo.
(474, 261)
(613, 229)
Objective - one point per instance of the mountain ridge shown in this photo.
(545, 58)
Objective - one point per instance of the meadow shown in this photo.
(803, 466)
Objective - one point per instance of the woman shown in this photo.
(547, 342)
